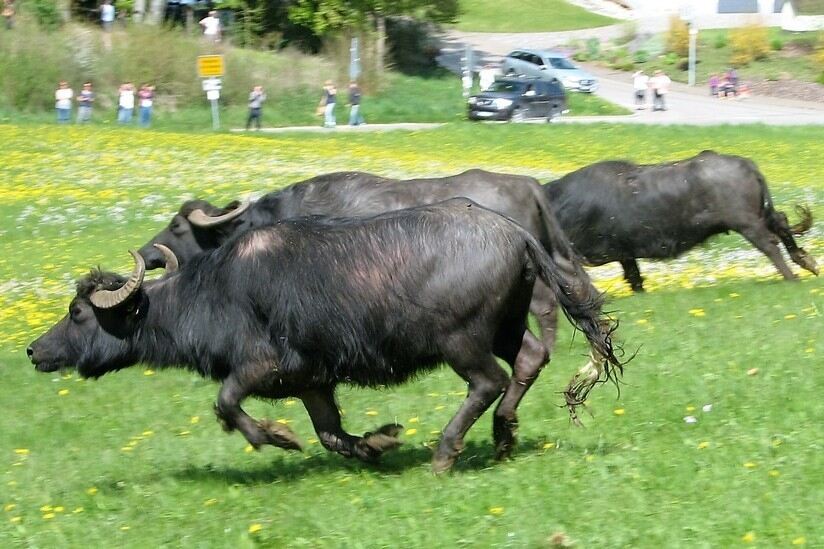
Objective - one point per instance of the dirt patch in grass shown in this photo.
(789, 89)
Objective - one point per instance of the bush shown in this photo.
(721, 41)
(45, 12)
(777, 44)
(593, 48)
(748, 44)
(678, 37)
(641, 56)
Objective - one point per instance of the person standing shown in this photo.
(85, 100)
(355, 117)
(486, 77)
(640, 83)
(256, 99)
(660, 84)
(330, 93)
(125, 103)
(211, 26)
(8, 13)
(146, 100)
(714, 81)
(63, 102)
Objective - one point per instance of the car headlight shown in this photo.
(472, 100)
(501, 103)
(570, 81)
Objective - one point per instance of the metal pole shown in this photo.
(215, 115)
(693, 40)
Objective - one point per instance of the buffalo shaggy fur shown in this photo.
(294, 309)
(620, 211)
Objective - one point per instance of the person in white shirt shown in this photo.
(640, 83)
(63, 102)
(125, 103)
(486, 76)
(660, 84)
(107, 15)
(211, 26)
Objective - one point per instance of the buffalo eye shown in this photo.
(76, 312)
(177, 227)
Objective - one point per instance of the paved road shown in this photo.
(686, 105)
(408, 126)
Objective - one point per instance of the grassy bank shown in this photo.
(136, 459)
(527, 16)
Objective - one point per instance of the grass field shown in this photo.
(527, 16)
(136, 459)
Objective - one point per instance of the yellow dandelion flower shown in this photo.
(59, 509)
(255, 528)
(618, 411)
(548, 445)
(734, 295)
(194, 419)
(91, 491)
(148, 372)
(440, 407)
(371, 413)
(774, 473)
(497, 511)
(697, 312)
(749, 537)
(48, 516)
(750, 465)
(210, 501)
(46, 508)
(642, 321)
(15, 520)
(62, 392)
(147, 433)
(249, 449)
(800, 540)
(78, 510)
(703, 445)
(291, 402)
(789, 317)
(414, 419)
(312, 440)
(9, 507)
(690, 408)
(125, 528)
(590, 458)
(184, 433)
(411, 431)
(283, 421)
(21, 451)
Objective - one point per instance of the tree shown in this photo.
(326, 17)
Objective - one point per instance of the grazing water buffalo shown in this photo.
(294, 309)
(619, 211)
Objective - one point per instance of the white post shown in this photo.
(215, 115)
(693, 40)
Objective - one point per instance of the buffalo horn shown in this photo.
(200, 219)
(106, 299)
(171, 259)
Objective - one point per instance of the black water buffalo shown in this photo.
(200, 226)
(620, 211)
(294, 309)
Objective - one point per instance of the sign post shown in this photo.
(210, 69)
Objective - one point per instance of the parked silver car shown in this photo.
(548, 64)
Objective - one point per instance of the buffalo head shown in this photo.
(94, 335)
(198, 226)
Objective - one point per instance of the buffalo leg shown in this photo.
(486, 383)
(544, 306)
(531, 359)
(258, 433)
(764, 240)
(632, 274)
(325, 418)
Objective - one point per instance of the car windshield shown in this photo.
(501, 86)
(561, 63)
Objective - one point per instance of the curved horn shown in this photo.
(806, 221)
(106, 299)
(172, 263)
(200, 219)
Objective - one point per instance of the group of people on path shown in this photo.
(127, 98)
(727, 84)
(658, 85)
(326, 106)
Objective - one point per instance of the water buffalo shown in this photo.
(620, 211)
(200, 226)
(294, 309)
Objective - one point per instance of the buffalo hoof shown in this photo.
(372, 445)
(443, 463)
(280, 435)
(505, 433)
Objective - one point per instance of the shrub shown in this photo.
(593, 48)
(641, 56)
(678, 37)
(777, 44)
(748, 44)
(45, 12)
(721, 41)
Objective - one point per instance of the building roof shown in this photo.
(737, 6)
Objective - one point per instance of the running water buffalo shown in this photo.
(200, 226)
(619, 211)
(294, 309)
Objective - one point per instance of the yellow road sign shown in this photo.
(209, 65)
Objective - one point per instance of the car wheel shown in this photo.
(554, 114)
(518, 115)
(510, 72)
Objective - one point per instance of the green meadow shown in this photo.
(713, 441)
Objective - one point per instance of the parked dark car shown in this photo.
(518, 99)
